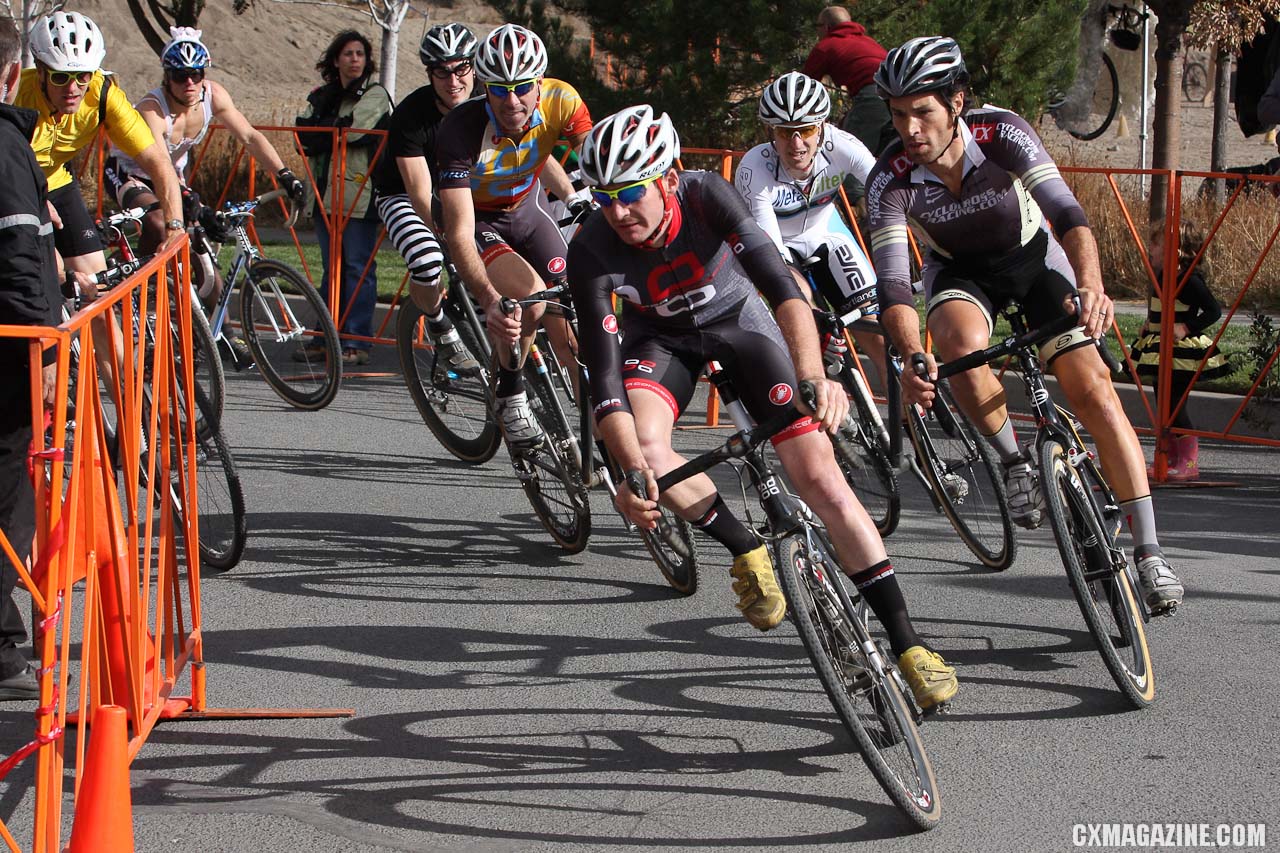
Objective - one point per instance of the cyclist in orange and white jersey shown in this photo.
(492, 151)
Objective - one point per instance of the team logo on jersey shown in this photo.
(744, 178)
(983, 133)
(780, 394)
(610, 324)
(901, 165)
(555, 266)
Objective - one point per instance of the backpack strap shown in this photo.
(102, 100)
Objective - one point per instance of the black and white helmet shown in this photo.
(794, 99)
(446, 43)
(628, 147)
(925, 64)
(68, 41)
(510, 54)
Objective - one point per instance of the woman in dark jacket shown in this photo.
(348, 98)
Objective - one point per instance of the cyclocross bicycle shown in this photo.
(856, 669)
(954, 464)
(283, 318)
(560, 473)
(205, 363)
(1083, 511)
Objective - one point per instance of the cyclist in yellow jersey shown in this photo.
(67, 89)
(504, 241)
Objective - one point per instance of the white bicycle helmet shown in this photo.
(794, 99)
(925, 64)
(510, 54)
(68, 41)
(446, 43)
(185, 50)
(628, 147)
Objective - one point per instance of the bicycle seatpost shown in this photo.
(508, 307)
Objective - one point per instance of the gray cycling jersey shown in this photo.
(1008, 180)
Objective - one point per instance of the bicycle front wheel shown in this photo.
(1096, 569)
(292, 336)
(967, 484)
(863, 685)
(224, 528)
(864, 460)
(550, 473)
(454, 405)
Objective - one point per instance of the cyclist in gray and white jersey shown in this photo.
(979, 187)
(791, 184)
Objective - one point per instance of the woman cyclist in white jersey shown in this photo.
(179, 112)
(791, 184)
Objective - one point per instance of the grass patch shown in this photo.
(391, 267)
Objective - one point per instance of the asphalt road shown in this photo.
(511, 698)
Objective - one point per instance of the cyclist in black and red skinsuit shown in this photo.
(685, 255)
(979, 187)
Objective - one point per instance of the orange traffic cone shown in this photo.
(104, 810)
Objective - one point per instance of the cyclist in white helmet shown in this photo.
(502, 238)
(73, 97)
(981, 188)
(179, 113)
(686, 258)
(791, 184)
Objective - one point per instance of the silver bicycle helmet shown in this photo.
(925, 64)
(68, 41)
(629, 146)
(446, 43)
(794, 99)
(510, 54)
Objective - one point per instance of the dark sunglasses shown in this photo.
(462, 69)
(628, 195)
(501, 90)
(182, 75)
(64, 78)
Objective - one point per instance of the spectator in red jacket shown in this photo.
(850, 57)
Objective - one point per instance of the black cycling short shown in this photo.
(529, 230)
(669, 364)
(1029, 275)
(78, 235)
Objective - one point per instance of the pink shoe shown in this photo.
(1175, 459)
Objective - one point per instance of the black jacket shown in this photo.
(29, 289)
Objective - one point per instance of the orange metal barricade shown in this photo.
(115, 558)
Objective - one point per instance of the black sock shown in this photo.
(440, 323)
(879, 586)
(721, 525)
(508, 382)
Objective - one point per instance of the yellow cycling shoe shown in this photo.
(932, 681)
(759, 598)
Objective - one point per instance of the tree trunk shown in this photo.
(387, 58)
(1167, 139)
(1079, 99)
(1221, 120)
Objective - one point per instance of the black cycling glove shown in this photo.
(297, 191)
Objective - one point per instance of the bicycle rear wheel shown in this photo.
(550, 473)
(278, 310)
(1096, 569)
(454, 406)
(967, 483)
(863, 686)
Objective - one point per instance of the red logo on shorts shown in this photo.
(780, 394)
(610, 324)
(555, 266)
